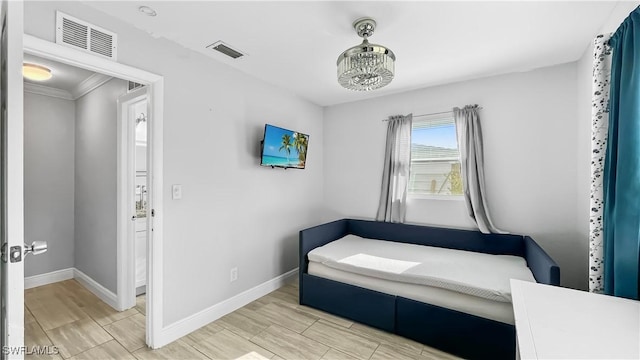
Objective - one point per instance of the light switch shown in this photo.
(176, 192)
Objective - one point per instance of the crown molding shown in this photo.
(47, 91)
(89, 84)
(86, 86)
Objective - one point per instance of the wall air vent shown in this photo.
(85, 37)
(133, 86)
(225, 49)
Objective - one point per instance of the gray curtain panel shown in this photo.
(469, 137)
(395, 176)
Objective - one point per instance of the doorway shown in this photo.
(154, 85)
(70, 133)
(133, 110)
(138, 117)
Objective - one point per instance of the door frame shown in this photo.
(126, 278)
(13, 156)
(155, 84)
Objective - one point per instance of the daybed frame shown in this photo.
(452, 331)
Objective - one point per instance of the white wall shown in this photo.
(233, 212)
(95, 180)
(619, 13)
(49, 125)
(584, 69)
(529, 130)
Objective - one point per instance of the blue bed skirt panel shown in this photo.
(465, 335)
(371, 307)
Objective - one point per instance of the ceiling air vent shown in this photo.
(225, 49)
(84, 36)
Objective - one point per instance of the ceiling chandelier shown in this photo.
(366, 66)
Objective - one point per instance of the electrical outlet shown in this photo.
(234, 274)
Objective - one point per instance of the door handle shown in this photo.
(36, 248)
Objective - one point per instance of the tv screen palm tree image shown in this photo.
(284, 148)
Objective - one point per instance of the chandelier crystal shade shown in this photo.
(366, 67)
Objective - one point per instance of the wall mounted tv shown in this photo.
(284, 148)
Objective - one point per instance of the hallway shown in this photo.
(67, 315)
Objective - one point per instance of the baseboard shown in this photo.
(98, 290)
(72, 273)
(192, 323)
(48, 278)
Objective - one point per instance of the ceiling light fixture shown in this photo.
(147, 11)
(366, 66)
(36, 72)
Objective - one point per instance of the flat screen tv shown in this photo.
(284, 148)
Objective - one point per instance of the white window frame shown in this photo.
(422, 196)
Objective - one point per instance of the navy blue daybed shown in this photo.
(452, 331)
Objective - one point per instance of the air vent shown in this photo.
(101, 43)
(74, 34)
(225, 49)
(84, 36)
(134, 85)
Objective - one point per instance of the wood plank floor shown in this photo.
(275, 326)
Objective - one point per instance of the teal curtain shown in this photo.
(622, 164)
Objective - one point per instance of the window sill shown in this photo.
(435, 197)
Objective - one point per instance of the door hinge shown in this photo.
(153, 212)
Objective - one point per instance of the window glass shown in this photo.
(435, 159)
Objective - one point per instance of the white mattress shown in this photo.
(481, 275)
(488, 309)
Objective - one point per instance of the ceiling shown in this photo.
(64, 77)
(295, 44)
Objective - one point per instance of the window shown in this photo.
(435, 159)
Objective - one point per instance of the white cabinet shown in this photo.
(141, 252)
(559, 323)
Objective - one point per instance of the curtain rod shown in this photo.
(437, 113)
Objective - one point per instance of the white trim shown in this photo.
(98, 290)
(155, 233)
(48, 278)
(12, 146)
(47, 91)
(155, 83)
(95, 63)
(89, 84)
(192, 323)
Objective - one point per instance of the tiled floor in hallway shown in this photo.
(275, 326)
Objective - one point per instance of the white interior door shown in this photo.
(11, 191)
